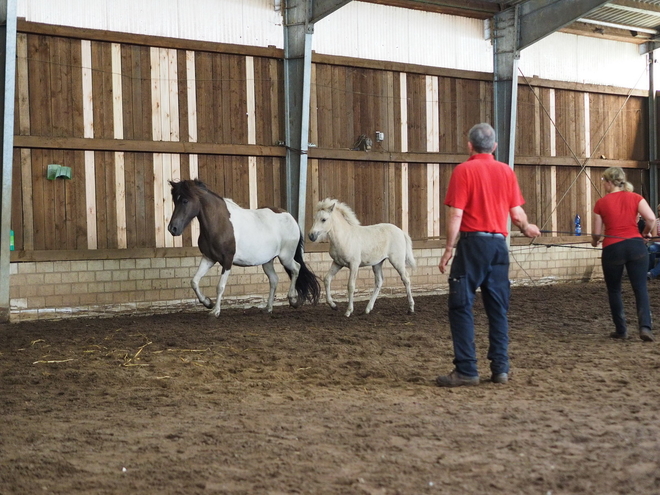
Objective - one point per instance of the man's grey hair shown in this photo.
(482, 137)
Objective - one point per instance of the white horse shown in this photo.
(353, 245)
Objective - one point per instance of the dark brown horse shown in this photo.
(231, 235)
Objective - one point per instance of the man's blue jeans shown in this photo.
(480, 261)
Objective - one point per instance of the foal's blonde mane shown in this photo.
(342, 208)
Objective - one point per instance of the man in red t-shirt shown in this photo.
(482, 194)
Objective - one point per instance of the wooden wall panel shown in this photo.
(139, 200)
(527, 131)
(324, 91)
(569, 111)
(534, 183)
(618, 130)
(227, 176)
(102, 90)
(17, 224)
(335, 180)
(271, 182)
(106, 215)
(38, 56)
(445, 174)
(637, 115)
(180, 95)
(418, 190)
(136, 85)
(342, 111)
(39, 200)
(66, 82)
(268, 105)
(469, 111)
(417, 113)
(221, 98)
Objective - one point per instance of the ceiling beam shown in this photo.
(607, 33)
(476, 9)
(540, 18)
(323, 8)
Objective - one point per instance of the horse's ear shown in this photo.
(332, 206)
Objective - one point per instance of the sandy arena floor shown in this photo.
(308, 401)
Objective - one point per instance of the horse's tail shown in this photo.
(307, 285)
(410, 258)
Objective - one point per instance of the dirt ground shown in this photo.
(308, 401)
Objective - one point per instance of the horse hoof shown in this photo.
(333, 307)
(207, 303)
(347, 314)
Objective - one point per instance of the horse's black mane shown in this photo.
(190, 188)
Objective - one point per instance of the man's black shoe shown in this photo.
(455, 379)
(500, 378)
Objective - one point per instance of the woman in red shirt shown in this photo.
(623, 245)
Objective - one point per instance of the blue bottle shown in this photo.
(578, 225)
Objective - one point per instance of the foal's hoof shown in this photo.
(207, 303)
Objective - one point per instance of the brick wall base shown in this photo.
(50, 290)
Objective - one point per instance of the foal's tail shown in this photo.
(307, 285)
(410, 258)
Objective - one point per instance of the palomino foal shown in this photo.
(353, 245)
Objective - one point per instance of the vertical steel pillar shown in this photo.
(505, 83)
(653, 135)
(299, 19)
(298, 32)
(8, 64)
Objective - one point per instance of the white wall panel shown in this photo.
(366, 30)
(245, 22)
(568, 57)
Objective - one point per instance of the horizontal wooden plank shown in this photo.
(310, 247)
(399, 67)
(57, 143)
(564, 161)
(385, 156)
(147, 146)
(398, 157)
(144, 253)
(24, 26)
(582, 87)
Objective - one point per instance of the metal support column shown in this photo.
(300, 17)
(298, 32)
(653, 135)
(8, 64)
(514, 30)
(505, 83)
